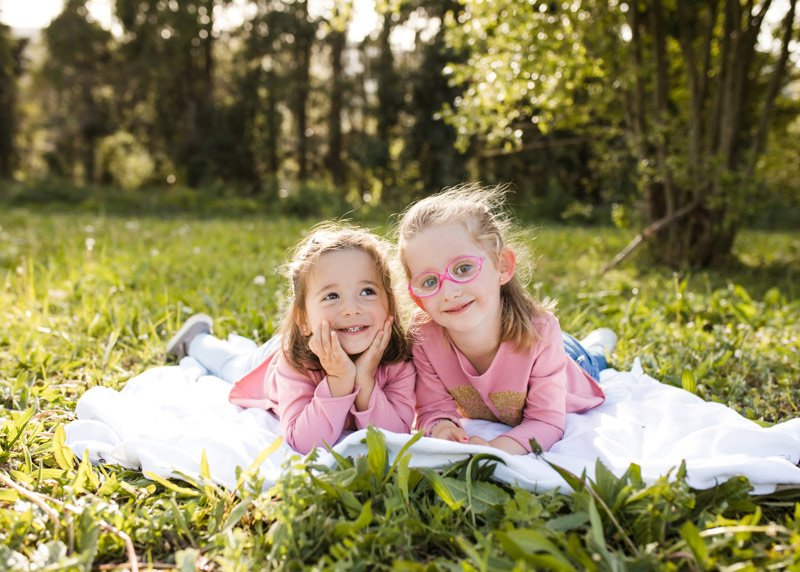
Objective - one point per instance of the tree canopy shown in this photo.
(668, 113)
(687, 86)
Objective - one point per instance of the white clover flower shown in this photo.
(259, 280)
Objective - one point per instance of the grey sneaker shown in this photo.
(602, 337)
(178, 345)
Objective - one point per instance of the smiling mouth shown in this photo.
(352, 330)
(459, 309)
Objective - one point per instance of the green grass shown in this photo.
(89, 300)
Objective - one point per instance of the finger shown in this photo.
(314, 345)
(460, 435)
(336, 346)
(375, 347)
(453, 435)
(386, 334)
(325, 337)
(317, 339)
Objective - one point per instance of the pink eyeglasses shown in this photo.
(461, 270)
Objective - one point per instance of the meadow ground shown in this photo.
(90, 299)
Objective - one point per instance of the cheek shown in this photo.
(426, 304)
(313, 318)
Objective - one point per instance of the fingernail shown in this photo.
(464, 439)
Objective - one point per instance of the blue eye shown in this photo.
(463, 269)
(429, 282)
(369, 292)
(331, 296)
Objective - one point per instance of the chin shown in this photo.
(354, 351)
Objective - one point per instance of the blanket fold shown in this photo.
(164, 418)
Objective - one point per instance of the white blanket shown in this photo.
(164, 418)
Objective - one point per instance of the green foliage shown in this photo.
(123, 161)
(10, 51)
(82, 304)
(662, 90)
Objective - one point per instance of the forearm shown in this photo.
(388, 411)
(318, 421)
(365, 385)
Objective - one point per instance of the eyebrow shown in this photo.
(331, 286)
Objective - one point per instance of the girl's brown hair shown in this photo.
(326, 238)
(481, 211)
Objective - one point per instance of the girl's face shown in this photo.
(345, 290)
(460, 307)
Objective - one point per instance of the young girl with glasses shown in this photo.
(484, 349)
(341, 360)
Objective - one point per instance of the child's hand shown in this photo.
(508, 445)
(449, 431)
(338, 366)
(475, 440)
(367, 363)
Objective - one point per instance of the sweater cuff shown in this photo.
(363, 418)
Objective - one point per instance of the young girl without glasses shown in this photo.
(341, 361)
(483, 348)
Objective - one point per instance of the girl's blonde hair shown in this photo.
(326, 238)
(482, 212)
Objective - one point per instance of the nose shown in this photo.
(451, 289)
(351, 306)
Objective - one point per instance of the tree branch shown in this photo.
(544, 144)
(649, 232)
(772, 92)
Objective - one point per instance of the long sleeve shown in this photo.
(309, 415)
(434, 402)
(545, 411)
(391, 405)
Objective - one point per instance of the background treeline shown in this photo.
(640, 112)
(283, 106)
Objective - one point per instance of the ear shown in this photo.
(508, 263)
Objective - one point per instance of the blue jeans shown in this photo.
(592, 360)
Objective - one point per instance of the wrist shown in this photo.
(440, 424)
(341, 385)
(364, 379)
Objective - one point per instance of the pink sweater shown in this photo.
(308, 414)
(531, 391)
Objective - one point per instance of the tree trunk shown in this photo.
(721, 151)
(202, 100)
(334, 160)
(273, 127)
(303, 40)
(389, 98)
(10, 69)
